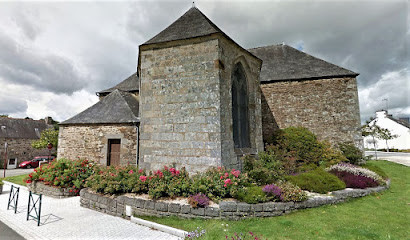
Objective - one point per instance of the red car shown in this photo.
(35, 162)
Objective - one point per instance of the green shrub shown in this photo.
(219, 183)
(63, 173)
(351, 152)
(115, 180)
(299, 150)
(169, 183)
(1, 182)
(318, 181)
(264, 169)
(252, 194)
(291, 192)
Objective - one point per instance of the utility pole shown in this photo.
(5, 160)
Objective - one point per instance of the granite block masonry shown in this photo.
(186, 118)
(232, 210)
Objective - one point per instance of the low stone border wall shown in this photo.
(40, 188)
(227, 209)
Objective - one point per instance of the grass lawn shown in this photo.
(385, 215)
(16, 179)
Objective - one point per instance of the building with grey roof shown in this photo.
(18, 135)
(198, 99)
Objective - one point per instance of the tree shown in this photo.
(386, 135)
(47, 136)
(371, 130)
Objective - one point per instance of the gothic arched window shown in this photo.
(240, 108)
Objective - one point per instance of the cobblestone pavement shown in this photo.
(65, 219)
(397, 157)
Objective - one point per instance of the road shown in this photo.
(15, 172)
(397, 157)
(8, 233)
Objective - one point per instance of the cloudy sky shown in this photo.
(54, 56)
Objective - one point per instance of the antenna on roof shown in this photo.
(193, 4)
(387, 103)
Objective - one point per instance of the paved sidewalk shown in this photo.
(65, 219)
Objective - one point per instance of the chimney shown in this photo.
(49, 120)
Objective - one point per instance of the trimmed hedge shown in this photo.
(318, 181)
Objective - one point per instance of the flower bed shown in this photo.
(233, 210)
(60, 178)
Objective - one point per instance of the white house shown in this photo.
(401, 128)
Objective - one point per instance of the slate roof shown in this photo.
(401, 122)
(282, 62)
(21, 128)
(130, 84)
(192, 24)
(116, 107)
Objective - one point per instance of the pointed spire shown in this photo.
(190, 25)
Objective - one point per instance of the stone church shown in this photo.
(198, 99)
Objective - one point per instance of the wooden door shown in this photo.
(114, 149)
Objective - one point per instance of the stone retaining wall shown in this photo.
(41, 188)
(226, 210)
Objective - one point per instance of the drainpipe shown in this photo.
(138, 143)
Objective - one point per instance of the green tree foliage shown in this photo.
(47, 136)
(375, 131)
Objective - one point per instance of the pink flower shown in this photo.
(227, 182)
(131, 172)
(235, 172)
(177, 172)
(165, 168)
(143, 178)
(221, 177)
(140, 171)
(226, 175)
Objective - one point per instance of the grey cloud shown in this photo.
(20, 65)
(12, 105)
(27, 20)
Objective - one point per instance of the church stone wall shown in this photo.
(328, 107)
(229, 55)
(91, 142)
(180, 106)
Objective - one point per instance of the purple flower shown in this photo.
(272, 190)
(198, 200)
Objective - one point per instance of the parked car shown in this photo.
(35, 162)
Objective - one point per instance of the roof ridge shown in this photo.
(123, 93)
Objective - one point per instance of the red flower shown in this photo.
(226, 175)
(165, 168)
(143, 178)
(140, 171)
(131, 172)
(177, 172)
(227, 182)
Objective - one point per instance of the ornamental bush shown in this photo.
(115, 180)
(273, 191)
(219, 183)
(291, 192)
(169, 182)
(356, 177)
(252, 194)
(351, 152)
(299, 150)
(198, 200)
(264, 169)
(318, 181)
(63, 173)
